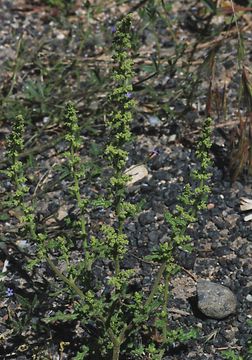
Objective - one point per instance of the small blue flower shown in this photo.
(9, 292)
(129, 95)
(113, 29)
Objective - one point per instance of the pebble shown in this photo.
(222, 250)
(249, 298)
(146, 218)
(154, 120)
(214, 300)
(153, 236)
(213, 235)
(186, 259)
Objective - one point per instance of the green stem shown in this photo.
(67, 281)
(117, 265)
(32, 231)
(116, 349)
(78, 197)
(118, 202)
(118, 341)
(165, 307)
(116, 344)
(82, 217)
(156, 283)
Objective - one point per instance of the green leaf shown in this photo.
(4, 217)
(60, 316)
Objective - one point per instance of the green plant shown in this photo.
(114, 244)
(23, 321)
(231, 355)
(192, 200)
(38, 93)
(77, 172)
(15, 172)
(119, 315)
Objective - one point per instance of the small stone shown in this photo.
(214, 300)
(172, 138)
(153, 236)
(146, 218)
(222, 250)
(249, 298)
(60, 36)
(62, 213)
(210, 206)
(213, 234)
(163, 175)
(186, 259)
(154, 120)
(22, 244)
(137, 173)
(230, 333)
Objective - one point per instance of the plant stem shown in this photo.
(156, 283)
(117, 265)
(116, 349)
(67, 281)
(165, 306)
(78, 197)
(118, 341)
(82, 220)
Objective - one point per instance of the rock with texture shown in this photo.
(214, 300)
(137, 174)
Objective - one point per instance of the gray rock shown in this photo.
(153, 236)
(214, 300)
(146, 218)
(154, 120)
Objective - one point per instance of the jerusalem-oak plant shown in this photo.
(106, 313)
(111, 314)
